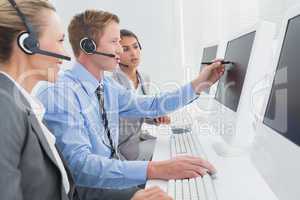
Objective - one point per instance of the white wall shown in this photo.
(206, 21)
(153, 21)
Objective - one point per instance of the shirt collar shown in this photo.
(88, 81)
(35, 104)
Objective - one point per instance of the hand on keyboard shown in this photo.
(181, 167)
(154, 193)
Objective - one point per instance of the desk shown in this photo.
(237, 179)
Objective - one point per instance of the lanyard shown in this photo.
(141, 82)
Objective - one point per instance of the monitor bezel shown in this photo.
(268, 143)
(294, 12)
(234, 36)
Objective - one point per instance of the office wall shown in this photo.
(155, 22)
(208, 21)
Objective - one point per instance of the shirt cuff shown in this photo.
(137, 170)
(189, 93)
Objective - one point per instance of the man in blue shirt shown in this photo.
(87, 133)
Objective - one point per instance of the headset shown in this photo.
(27, 40)
(139, 44)
(88, 45)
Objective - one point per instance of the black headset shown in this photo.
(27, 40)
(139, 44)
(88, 45)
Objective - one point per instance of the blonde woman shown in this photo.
(31, 167)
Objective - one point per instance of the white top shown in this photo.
(123, 79)
(39, 111)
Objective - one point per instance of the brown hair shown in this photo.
(11, 24)
(128, 33)
(91, 24)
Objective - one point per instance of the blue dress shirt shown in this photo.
(73, 116)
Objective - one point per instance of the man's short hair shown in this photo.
(91, 24)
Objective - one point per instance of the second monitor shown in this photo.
(231, 84)
(209, 54)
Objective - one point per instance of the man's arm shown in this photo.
(132, 105)
(63, 117)
(180, 167)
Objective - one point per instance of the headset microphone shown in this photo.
(51, 54)
(104, 54)
(28, 41)
(89, 47)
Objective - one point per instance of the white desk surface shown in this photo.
(237, 178)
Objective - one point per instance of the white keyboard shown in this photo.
(201, 188)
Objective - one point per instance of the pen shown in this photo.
(222, 62)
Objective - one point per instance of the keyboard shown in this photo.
(200, 188)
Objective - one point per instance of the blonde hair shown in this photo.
(11, 24)
(90, 23)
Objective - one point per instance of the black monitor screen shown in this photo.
(230, 85)
(283, 110)
(209, 54)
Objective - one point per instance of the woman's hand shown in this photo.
(154, 193)
(162, 120)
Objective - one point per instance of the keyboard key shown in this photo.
(177, 143)
(171, 188)
(186, 189)
(172, 147)
(193, 189)
(200, 188)
(181, 140)
(209, 187)
(178, 190)
(187, 144)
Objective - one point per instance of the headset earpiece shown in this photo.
(140, 46)
(27, 43)
(27, 40)
(88, 45)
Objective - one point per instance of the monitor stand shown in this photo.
(225, 150)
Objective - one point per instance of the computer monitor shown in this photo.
(231, 84)
(283, 110)
(251, 51)
(276, 150)
(205, 105)
(209, 54)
